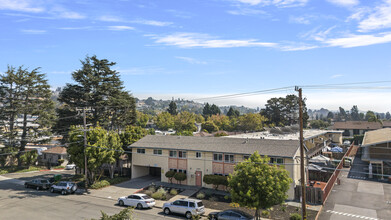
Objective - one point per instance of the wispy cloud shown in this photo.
(180, 14)
(247, 11)
(31, 31)
(378, 18)
(77, 28)
(193, 40)
(120, 28)
(191, 60)
(110, 18)
(336, 76)
(344, 3)
(20, 5)
(300, 19)
(354, 40)
(61, 12)
(278, 3)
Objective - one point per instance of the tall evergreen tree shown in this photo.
(206, 111)
(354, 114)
(172, 109)
(99, 87)
(215, 110)
(388, 116)
(27, 94)
(232, 112)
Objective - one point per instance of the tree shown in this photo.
(29, 158)
(99, 87)
(318, 124)
(266, 185)
(170, 174)
(330, 115)
(27, 94)
(215, 110)
(114, 143)
(180, 177)
(209, 126)
(142, 119)
(354, 113)
(251, 122)
(206, 111)
(388, 116)
(165, 121)
(131, 135)
(233, 113)
(215, 180)
(185, 121)
(371, 117)
(124, 214)
(342, 113)
(172, 109)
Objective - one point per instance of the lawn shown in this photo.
(5, 170)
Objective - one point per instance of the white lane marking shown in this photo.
(351, 215)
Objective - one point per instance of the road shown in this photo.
(16, 202)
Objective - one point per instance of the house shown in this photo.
(376, 150)
(198, 156)
(352, 128)
(52, 155)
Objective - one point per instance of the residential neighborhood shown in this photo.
(218, 109)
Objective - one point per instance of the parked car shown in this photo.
(230, 214)
(64, 187)
(187, 207)
(38, 184)
(137, 200)
(70, 166)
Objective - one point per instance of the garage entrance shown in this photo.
(155, 171)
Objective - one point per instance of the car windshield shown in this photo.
(199, 204)
(146, 197)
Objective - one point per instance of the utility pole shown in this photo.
(85, 146)
(303, 185)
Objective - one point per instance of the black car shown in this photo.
(230, 214)
(38, 184)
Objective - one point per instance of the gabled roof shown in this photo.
(279, 148)
(377, 137)
(56, 150)
(363, 125)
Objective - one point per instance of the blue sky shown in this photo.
(192, 49)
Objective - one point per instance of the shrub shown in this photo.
(295, 216)
(265, 214)
(100, 184)
(216, 180)
(200, 195)
(221, 134)
(180, 177)
(158, 195)
(162, 191)
(283, 208)
(173, 192)
(60, 161)
(170, 174)
(213, 199)
(148, 192)
(152, 189)
(196, 217)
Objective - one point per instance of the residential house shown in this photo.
(198, 156)
(52, 155)
(376, 150)
(352, 128)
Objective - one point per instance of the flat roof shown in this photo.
(279, 148)
(377, 137)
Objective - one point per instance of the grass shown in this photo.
(58, 167)
(108, 182)
(6, 170)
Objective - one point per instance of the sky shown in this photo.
(196, 49)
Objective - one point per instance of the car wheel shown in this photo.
(139, 206)
(121, 203)
(51, 190)
(37, 187)
(188, 215)
(167, 211)
(63, 192)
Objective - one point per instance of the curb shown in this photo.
(51, 169)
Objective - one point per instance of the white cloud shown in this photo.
(110, 18)
(31, 31)
(279, 3)
(336, 76)
(120, 28)
(379, 18)
(344, 3)
(193, 40)
(191, 60)
(354, 40)
(297, 47)
(20, 5)
(300, 20)
(247, 11)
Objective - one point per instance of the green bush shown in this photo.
(216, 180)
(173, 192)
(148, 192)
(221, 134)
(158, 196)
(60, 161)
(100, 184)
(265, 214)
(295, 216)
(200, 195)
(152, 189)
(180, 177)
(170, 174)
(162, 191)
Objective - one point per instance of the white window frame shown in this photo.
(198, 155)
(218, 155)
(184, 154)
(140, 149)
(157, 151)
(230, 156)
(175, 154)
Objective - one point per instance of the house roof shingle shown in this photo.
(363, 125)
(56, 150)
(377, 136)
(279, 148)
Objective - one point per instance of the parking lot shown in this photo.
(17, 202)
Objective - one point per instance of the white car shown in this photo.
(70, 166)
(187, 207)
(137, 200)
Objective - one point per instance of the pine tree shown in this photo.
(172, 109)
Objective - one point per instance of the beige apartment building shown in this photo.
(197, 156)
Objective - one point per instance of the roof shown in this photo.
(377, 137)
(363, 125)
(280, 148)
(308, 134)
(56, 150)
(386, 123)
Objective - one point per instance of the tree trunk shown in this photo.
(257, 215)
(23, 142)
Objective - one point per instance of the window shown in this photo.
(280, 160)
(173, 170)
(172, 153)
(218, 157)
(245, 157)
(182, 154)
(192, 204)
(140, 151)
(198, 154)
(59, 157)
(276, 160)
(184, 203)
(182, 171)
(157, 152)
(176, 202)
(229, 158)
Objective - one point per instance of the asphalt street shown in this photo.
(17, 202)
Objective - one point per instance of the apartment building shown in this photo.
(198, 156)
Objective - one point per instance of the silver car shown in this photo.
(137, 200)
(64, 187)
(187, 207)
